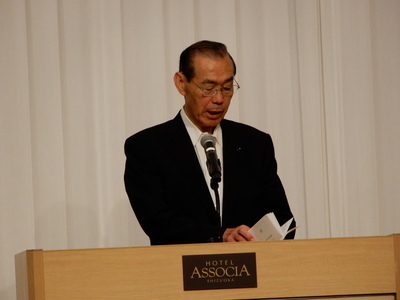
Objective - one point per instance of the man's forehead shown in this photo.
(211, 70)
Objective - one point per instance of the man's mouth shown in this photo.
(214, 113)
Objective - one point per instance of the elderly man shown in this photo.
(166, 175)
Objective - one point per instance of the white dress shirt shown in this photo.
(195, 135)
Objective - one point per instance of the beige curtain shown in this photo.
(79, 76)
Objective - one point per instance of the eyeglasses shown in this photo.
(210, 90)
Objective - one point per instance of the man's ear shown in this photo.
(180, 81)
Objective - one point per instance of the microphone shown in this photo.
(213, 163)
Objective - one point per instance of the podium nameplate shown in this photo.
(219, 271)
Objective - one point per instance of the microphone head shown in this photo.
(207, 141)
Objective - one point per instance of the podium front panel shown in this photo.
(348, 267)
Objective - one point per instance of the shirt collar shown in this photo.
(195, 133)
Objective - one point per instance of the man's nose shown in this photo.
(218, 97)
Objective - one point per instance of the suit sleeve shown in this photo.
(279, 203)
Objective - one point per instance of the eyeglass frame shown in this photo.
(220, 89)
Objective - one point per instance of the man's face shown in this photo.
(207, 112)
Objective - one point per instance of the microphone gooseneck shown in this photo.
(214, 170)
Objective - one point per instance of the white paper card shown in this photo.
(268, 228)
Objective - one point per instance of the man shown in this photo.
(166, 176)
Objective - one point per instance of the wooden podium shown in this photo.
(317, 268)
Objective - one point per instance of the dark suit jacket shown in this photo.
(170, 197)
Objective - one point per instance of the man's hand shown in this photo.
(238, 234)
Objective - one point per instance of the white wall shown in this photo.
(77, 77)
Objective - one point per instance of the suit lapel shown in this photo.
(183, 153)
(232, 168)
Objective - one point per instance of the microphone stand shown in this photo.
(214, 185)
